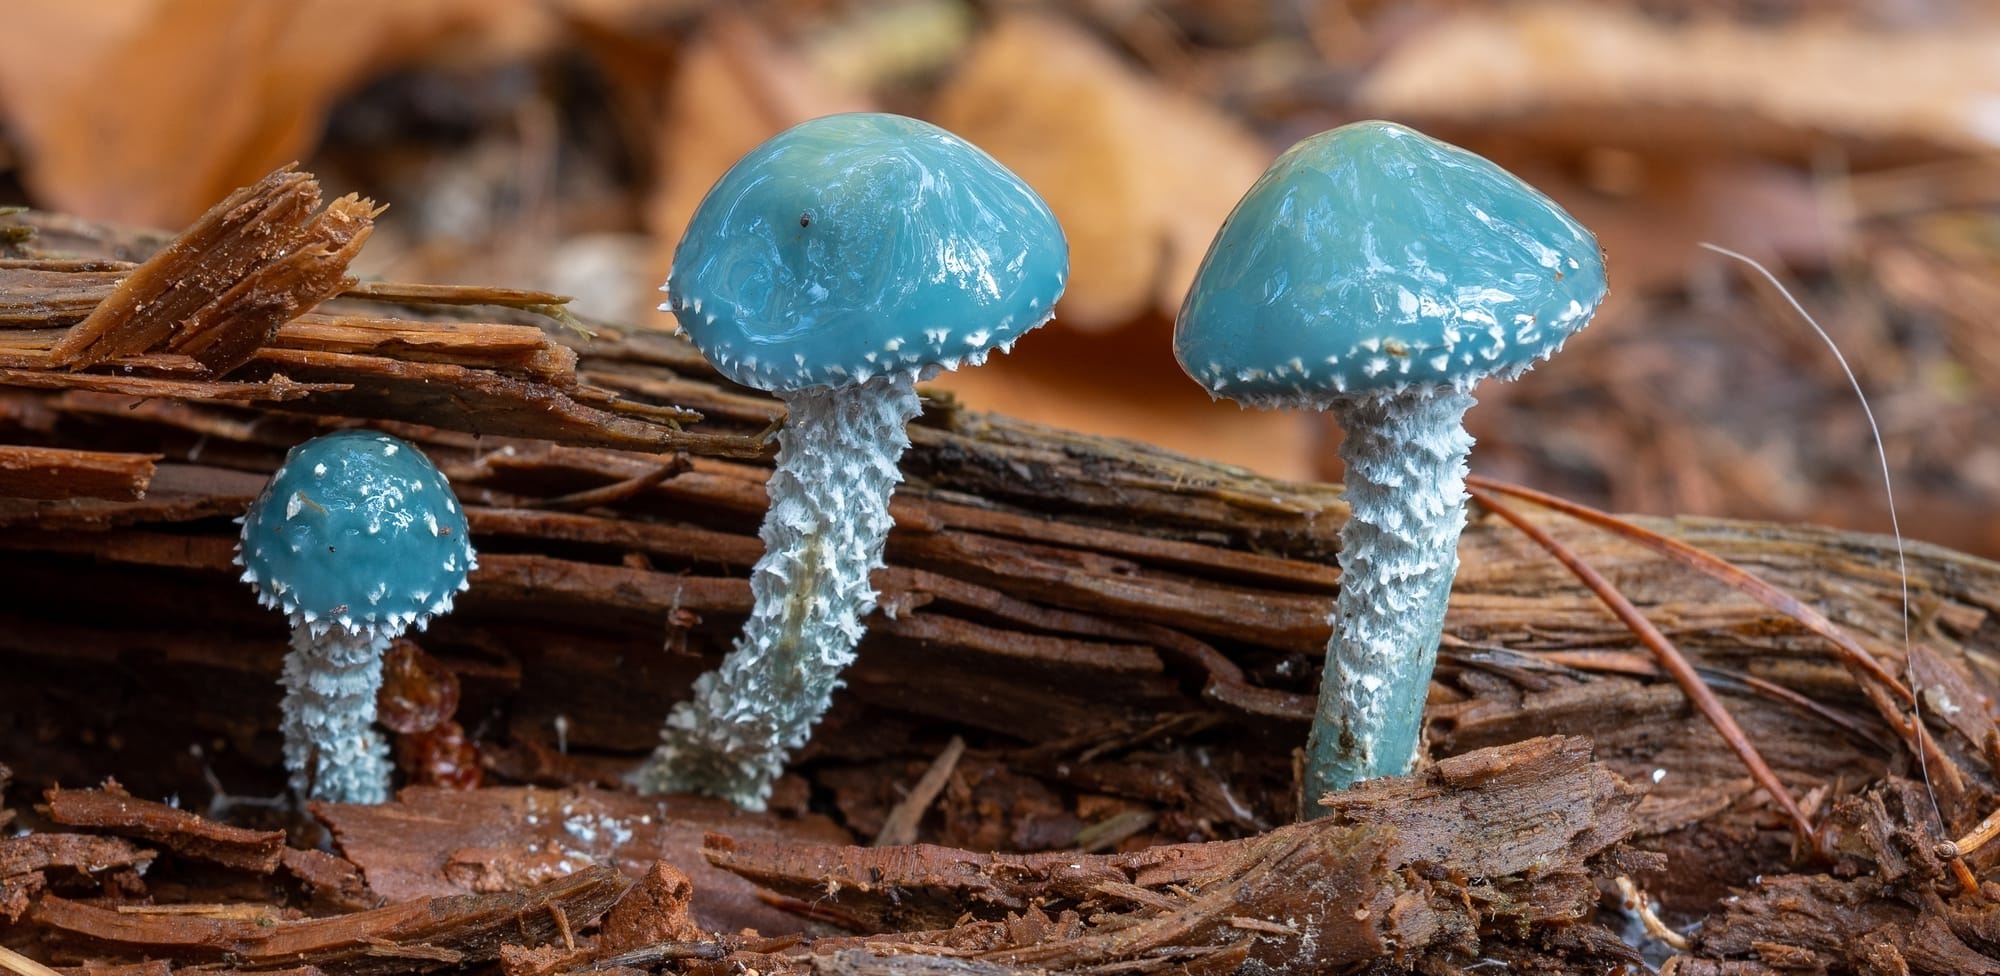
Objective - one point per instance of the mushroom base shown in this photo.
(1405, 485)
(823, 534)
(332, 748)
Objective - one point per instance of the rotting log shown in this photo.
(1102, 621)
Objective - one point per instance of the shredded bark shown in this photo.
(26, 863)
(417, 935)
(83, 853)
(900, 826)
(1390, 871)
(177, 830)
(276, 388)
(216, 293)
(335, 883)
(432, 842)
(656, 910)
(57, 473)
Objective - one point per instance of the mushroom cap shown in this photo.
(858, 245)
(358, 530)
(1371, 260)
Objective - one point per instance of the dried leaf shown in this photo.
(1708, 81)
(148, 111)
(1139, 175)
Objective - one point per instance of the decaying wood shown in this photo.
(27, 861)
(414, 936)
(434, 842)
(235, 295)
(1388, 872)
(216, 293)
(660, 908)
(1121, 636)
(411, 935)
(1665, 655)
(52, 473)
(1485, 845)
(184, 833)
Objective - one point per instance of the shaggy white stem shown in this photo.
(1405, 485)
(823, 534)
(331, 746)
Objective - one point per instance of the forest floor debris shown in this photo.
(1121, 639)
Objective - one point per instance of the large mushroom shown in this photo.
(836, 265)
(357, 537)
(1381, 274)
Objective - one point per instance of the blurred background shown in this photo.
(561, 144)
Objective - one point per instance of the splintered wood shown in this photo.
(253, 262)
(179, 831)
(56, 473)
(1126, 642)
(1387, 872)
(226, 311)
(1508, 838)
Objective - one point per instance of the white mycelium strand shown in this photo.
(331, 745)
(1405, 487)
(823, 534)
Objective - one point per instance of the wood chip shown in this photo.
(500, 839)
(396, 938)
(900, 826)
(252, 262)
(655, 910)
(1350, 885)
(83, 853)
(177, 830)
(55, 472)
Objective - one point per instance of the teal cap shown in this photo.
(357, 529)
(1372, 259)
(859, 245)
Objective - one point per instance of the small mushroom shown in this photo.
(836, 265)
(1381, 274)
(356, 537)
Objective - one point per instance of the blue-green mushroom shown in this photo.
(837, 265)
(1380, 274)
(357, 537)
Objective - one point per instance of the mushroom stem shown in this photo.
(823, 534)
(331, 746)
(1405, 487)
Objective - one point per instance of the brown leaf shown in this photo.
(1139, 175)
(1708, 81)
(148, 111)
(1126, 384)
